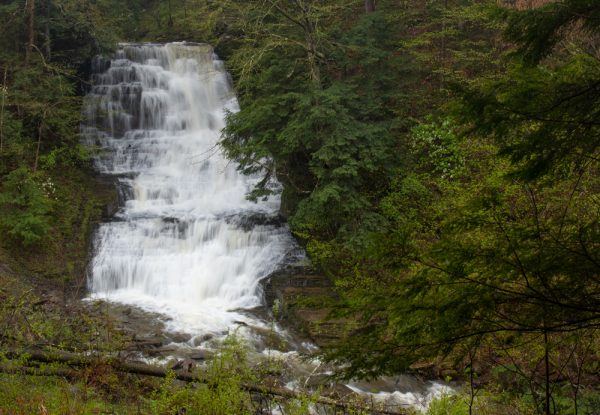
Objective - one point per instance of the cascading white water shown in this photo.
(186, 243)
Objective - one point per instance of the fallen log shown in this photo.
(10, 368)
(79, 360)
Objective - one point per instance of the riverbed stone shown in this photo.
(199, 340)
(179, 337)
(201, 355)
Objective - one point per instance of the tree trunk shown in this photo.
(547, 372)
(311, 43)
(30, 29)
(47, 30)
(443, 57)
(37, 150)
(369, 6)
(315, 72)
(4, 92)
(170, 22)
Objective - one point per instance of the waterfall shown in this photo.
(186, 242)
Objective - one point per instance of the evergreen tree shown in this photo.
(316, 111)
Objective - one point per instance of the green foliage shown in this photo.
(490, 237)
(448, 405)
(26, 203)
(40, 118)
(21, 394)
(220, 391)
(545, 119)
(539, 30)
(452, 41)
(196, 20)
(72, 156)
(437, 149)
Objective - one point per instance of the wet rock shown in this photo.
(424, 369)
(249, 220)
(201, 355)
(301, 295)
(337, 391)
(448, 373)
(164, 351)
(328, 387)
(317, 381)
(198, 340)
(148, 341)
(179, 337)
(434, 370)
(106, 187)
(186, 365)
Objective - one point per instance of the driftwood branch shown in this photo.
(78, 360)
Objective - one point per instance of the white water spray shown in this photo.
(186, 243)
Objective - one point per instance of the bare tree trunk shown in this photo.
(369, 6)
(471, 383)
(443, 58)
(30, 30)
(157, 18)
(315, 72)
(4, 92)
(47, 30)
(547, 372)
(37, 150)
(303, 19)
(311, 43)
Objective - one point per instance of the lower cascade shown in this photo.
(186, 243)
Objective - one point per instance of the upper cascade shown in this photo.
(186, 243)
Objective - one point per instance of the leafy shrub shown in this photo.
(437, 149)
(448, 405)
(220, 390)
(25, 206)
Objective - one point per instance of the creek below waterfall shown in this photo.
(180, 264)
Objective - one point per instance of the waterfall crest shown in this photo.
(186, 242)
